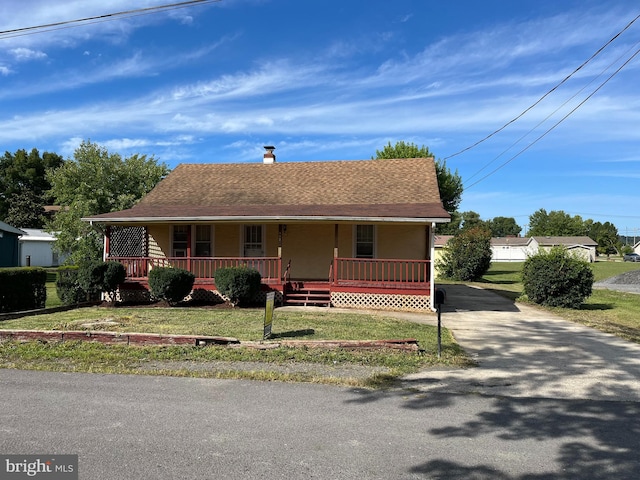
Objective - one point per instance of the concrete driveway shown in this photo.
(526, 352)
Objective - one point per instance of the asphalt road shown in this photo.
(143, 427)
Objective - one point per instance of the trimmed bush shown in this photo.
(557, 279)
(90, 278)
(87, 282)
(240, 285)
(22, 289)
(115, 273)
(68, 287)
(467, 256)
(170, 284)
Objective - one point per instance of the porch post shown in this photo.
(334, 266)
(107, 243)
(189, 248)
(280, 231)
(335, 241)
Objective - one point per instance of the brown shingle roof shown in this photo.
(404, 188)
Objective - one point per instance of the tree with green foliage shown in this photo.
(555, 278)
(24, 187)
(449, 184)
(94, 182)
(556, 223)
(26, 210)
(504, 227)
(467, 256)
(606, 234)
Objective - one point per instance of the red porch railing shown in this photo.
(203, 268)
(384, 273)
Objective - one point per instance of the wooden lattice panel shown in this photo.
(128, 242)
(382, 301)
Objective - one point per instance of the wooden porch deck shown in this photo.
(406, 277)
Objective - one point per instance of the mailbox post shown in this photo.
(441, 295)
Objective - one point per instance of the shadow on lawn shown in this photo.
(294, 333)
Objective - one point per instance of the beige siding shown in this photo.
(271, 240)
(227, 238)
(402, 242)
(310, 249)
(159, 241)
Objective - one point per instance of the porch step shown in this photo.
(308, 297)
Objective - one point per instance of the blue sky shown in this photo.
(336, 80)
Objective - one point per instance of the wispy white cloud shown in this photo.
(24, 54)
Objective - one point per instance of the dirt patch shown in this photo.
(165, 304)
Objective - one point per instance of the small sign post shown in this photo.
(441, 295)
(268, 314)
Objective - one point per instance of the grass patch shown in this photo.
(365, 368)
(609, 311)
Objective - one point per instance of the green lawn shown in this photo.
(244, 324)
(613, 312)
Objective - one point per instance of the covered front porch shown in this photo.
(345, 276)
(301, 262)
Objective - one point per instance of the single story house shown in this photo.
(583, 247)
(356, 233)
(518, 249)
(511, 249)
(9, 245)
(36, 249)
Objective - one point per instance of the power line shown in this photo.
(555, 111)
(546, 94)
(559, 121)
(17, 32)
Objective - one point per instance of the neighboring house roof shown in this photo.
(510, 241)
(441, 240)
(566, 241)
(5, 227)
(37, 235)
(367, 190)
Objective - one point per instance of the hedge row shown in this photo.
(22, 289)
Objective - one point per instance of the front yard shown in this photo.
(366, 368)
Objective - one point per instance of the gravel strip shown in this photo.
(625, 282)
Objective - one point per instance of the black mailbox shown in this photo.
(441, 295)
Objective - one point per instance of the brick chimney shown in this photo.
(269, 157)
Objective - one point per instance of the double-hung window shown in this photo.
(365, 241)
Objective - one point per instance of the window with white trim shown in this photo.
(253, 244)
(365, 241)
(203, 241)
(180, 240)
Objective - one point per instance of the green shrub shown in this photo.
(170, 284)
(115, 273)
(467, 256)
(90, 278)
(557, 279)
(22, 289)
(240, 285)
(68, 287)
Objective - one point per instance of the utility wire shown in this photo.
(17, 32)
(555, 111)
(558, 122)
(546, 94)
